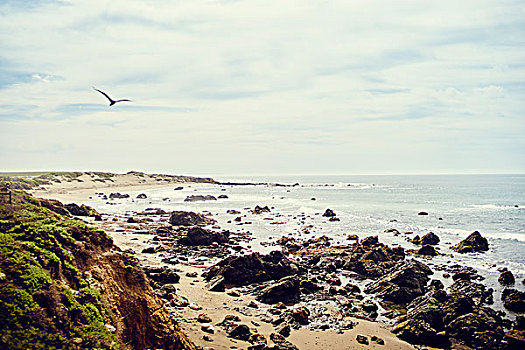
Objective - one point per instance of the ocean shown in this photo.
(456, 205)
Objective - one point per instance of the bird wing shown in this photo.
(123, 100)
(103, 93)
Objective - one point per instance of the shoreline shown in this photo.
(191, 285)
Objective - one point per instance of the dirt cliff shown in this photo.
(64, 285)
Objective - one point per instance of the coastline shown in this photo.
(213, 304)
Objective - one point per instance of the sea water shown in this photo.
(456, 205)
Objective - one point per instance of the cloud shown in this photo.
(282, 83)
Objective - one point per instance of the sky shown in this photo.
(263, 87)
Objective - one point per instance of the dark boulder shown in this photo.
(118, 195)
(241, 332)
(402, 285)
(216, 284)
(301, 315)
(369, 241)
(260, 210)
(223, 196)
(479, 329)
(476, 291)
(513, 300)
(285, 290)
(188, 218)
(178, 188)
(422, 213)
(198, 198)
(430, 238)
(436, 318)
(329, 213)
(247, 269)
(162, 275)
(80, 210)
(473, 243)
(506, 278)
(199, 236)
(427, 250)
(142, 196)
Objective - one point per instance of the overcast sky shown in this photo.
(263, 87)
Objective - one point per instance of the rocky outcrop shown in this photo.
(430, 238)
(404, 284)
(473, 243)
(260, 210)
(188, 218)
(199, 236)
(247, 269)
(439, 319)
(81, 210)
(506, 278)
(198, 198)
(329, 213)
(285, 290)
(513, 299)
(118, 195)
(142, 196)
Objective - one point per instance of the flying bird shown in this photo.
(111, 101)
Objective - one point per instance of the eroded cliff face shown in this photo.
(65, 285)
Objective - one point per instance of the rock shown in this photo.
(223, 196)
(207, 338)
(247, 269)
(199, 236)
(515, 339)
(473, 243)
(284, 330)
(369, 241)
(427, 250)
(198, 198)
(118, 195)
(162, 275)
(241, 332)
(203, 318)
(506, 278)
(476, 291)
(333, 218)
(377, 340)
(281, 343)
(361, 339)
(479, 329)
(352, 237)
(194, 306)
(208, 328)
(285, 290)
(142, 196)
(403, 284)
(188, 218)
(148, 250)
(430, 238)
(301, 315)
(178, 188)
(329, 213)
(216, 284)
(260, 210)
(77, 210)
(513, 300)
(422, 213)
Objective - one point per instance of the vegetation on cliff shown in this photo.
(64, 285)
